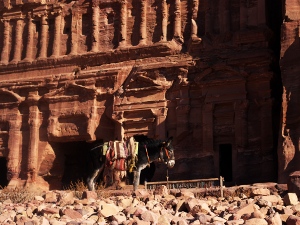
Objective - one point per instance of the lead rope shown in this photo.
(167, 167)
(168, 178)
(147, 154)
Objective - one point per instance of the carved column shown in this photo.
(43, 37)
(182, 118)
(93, 121)
(208, 18)
(14, 158)
(74, 33)
(266, 125)
(241, 125)
(96, 14)
(177, 22)
(143, 25)
(34, 125)
(123, 26)
(119, 130)
(194, 26)
(18, 41)
(183, 102)
(208, 124)
(57, 36)
(29, 43)
(243, 16)
(261, 14)
(160, 115)
(224, 17)
(164, 24)
(6, 41)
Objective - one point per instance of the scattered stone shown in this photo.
(293, 220)
(62, 208)
(290, 199)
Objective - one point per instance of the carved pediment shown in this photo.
(219, 74)
(9, 98)
(146, 80)
(71, 92)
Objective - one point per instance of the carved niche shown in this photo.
(74, 113)
(134, 102)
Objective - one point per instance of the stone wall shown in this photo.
(288, 147)
(73, 72)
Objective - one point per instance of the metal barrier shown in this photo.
(198, 183)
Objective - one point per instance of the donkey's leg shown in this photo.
(136, 176)
(91, 179)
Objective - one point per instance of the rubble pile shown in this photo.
(257, 206)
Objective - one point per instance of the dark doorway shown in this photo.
(3, 172)
(71, 164)
(225, 161)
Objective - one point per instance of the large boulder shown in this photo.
(294, 183)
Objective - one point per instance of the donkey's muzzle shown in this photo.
(171, 163)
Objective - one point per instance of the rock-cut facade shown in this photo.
(73, 72)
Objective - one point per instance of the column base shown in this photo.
(42, 59)
(54, 56)
(143, 42)
(14, 61)
(16, 182)
(3, 63)
(194, 45)
(27, 60)
(122, 44)
(178, 39)
(38, 185)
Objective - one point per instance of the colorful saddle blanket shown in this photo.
(118, 154)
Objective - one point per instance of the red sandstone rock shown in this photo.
(72, 214)
(293, 220)
(294, 183)
(72, 72)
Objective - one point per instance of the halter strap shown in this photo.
(167, 153)
(147, 153)
(162, 155)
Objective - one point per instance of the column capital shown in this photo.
(159, 111)
(118, 116)
(33, 98)
(5, 20)
(95, 3)
(15, 123)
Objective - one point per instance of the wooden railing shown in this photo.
(197, 183)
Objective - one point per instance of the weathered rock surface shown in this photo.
(288, 148)
(73, 72)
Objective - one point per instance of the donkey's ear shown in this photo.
(170, 139)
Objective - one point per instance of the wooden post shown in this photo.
(221, 186)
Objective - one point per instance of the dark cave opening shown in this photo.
(3, 172)
(225, 161)
(71, 165)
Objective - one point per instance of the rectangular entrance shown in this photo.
(225, 161)
(3, 172)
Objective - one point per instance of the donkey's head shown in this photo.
(167, 153)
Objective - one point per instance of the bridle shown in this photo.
(161, 154)
(162, 150)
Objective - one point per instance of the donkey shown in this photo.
(149, 150)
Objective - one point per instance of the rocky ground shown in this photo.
(258, 204)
